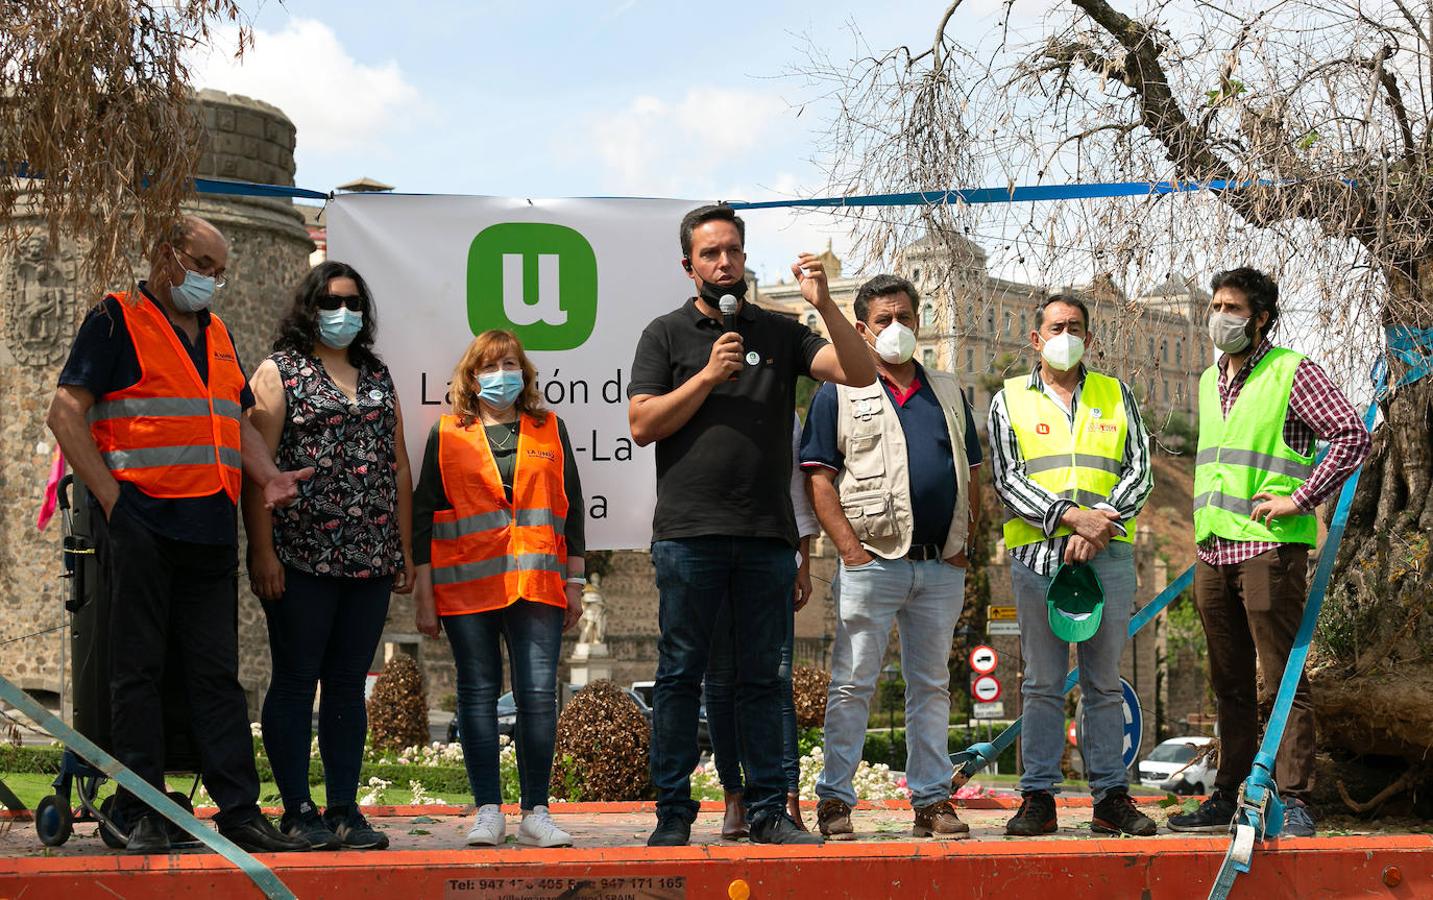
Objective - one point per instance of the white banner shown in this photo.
(577, 280)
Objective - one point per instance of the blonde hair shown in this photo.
(488, 348)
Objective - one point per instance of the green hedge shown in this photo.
(436, 779)
(33, 760)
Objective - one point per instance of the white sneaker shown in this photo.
(538, 830)
(490, 827)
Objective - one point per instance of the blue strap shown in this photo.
(977, 756)
(251, 189)
(261, 874)
(1260, 810)
(1413, 347)
(1023, 193)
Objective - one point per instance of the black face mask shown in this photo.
(712, 293)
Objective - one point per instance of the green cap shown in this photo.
(1076, 602)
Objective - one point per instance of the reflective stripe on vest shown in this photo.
(1244, 454)
(488, 552)
(1080, 462)
(171, 434)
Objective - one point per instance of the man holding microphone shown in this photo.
(718, 398)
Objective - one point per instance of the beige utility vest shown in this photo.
(874, 484)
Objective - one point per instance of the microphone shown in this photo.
(727, 304)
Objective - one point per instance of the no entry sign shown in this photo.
(983, 660)
(986, 689)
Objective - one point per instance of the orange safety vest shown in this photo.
(489, 553)
(170, 434)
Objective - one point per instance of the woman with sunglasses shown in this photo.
(499, 531)
(325, 566)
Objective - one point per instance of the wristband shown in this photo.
(577, 579)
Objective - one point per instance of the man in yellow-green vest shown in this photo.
(1070, 461)
(1255, 489)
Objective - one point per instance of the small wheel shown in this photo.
(1199, 789)
(111, 839)
(53, 821)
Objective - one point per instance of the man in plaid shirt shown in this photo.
(1256, 487)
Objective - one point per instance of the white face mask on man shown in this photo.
(896, 344)
(1230, 333)
(1063, 351)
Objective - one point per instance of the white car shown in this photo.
(1157, 770)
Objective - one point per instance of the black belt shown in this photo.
(923, 552)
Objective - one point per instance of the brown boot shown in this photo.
(793, 809)
(733, 824)
(940, 821)
(834, 819)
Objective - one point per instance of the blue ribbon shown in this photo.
(977, 756)
(156, 799)
(1411, 346)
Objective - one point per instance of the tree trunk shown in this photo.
(1372, 668)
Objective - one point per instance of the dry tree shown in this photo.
(1312, 120)
(100, 138)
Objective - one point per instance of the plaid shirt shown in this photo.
(1317, 410)
(1025, 499)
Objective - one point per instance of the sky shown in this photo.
(545, 99)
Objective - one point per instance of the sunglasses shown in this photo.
(334, 301)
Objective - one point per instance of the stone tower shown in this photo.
(247, 141)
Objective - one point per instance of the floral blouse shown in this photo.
(345, 522)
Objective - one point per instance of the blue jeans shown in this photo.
(925, 599)
(324, 630)
(696, 578)
(533, 633)
(720, 691)
(1047, 662)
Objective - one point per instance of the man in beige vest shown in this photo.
(889, 467)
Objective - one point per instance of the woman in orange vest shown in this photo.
(498, 535)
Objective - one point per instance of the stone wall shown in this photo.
(247, 140)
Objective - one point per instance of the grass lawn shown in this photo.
(30, 788)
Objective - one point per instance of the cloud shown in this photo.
(655, 145)
(337, 103)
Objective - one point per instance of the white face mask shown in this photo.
(896, 344)
(1229, 332)
(1063, 351)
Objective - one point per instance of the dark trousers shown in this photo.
(174, 593)
(533, 633)
(719, 691)
(1251, 613)
(324, 630)
(696, 578)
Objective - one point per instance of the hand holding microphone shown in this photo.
(726, 359)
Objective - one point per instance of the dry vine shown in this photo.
(97, 99)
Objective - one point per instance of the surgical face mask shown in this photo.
(896, 344)
(712, 293)
(1230, 333)
(338, 327)
(194, 293)
(500, 389)
(1063, 351)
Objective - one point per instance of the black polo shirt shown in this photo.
(102, 361)
(727, 471)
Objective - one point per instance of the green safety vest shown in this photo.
(1245, 454)
(1080, 463)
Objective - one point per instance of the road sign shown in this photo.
(1000, 614)
(983, 660)
(994, 710)
(1133, 719)
(1002, 627)
(986, 689)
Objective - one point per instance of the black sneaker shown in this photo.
(353, 830)
(148, 836)
(1036, 816)
(1213, 815)
(306, 823)
(673, 830)
(1117, 814)
(258, 835)
(778, 828)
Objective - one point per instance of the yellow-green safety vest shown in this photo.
(1080, 463)
(1245, 454)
